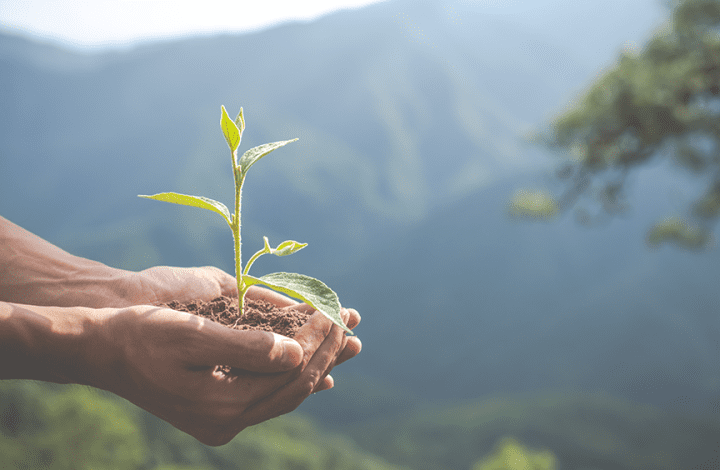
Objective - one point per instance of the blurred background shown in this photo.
(520, 198)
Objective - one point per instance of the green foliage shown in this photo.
(180, 467)
(678, 231)
(583, 430)
(309, 290)
(70, 428)
(76, 427)
(533, 204)
(195, 201)
(295, 443)
(709, 204)
(511, 455)
(655, 103)
(231, 130)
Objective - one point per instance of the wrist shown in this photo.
(85, 284)
(54, 344)
(35, 272)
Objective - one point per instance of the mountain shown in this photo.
(401, 108)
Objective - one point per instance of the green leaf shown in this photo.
(195, 201)
(311, 291)
(287, 247)
(230, 130)
(256, 153)
(240, 122)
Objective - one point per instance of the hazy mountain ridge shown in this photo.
(389, 128)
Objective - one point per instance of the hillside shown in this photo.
(582, 430)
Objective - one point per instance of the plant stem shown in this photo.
(242, 289)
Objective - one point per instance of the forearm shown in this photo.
(54, 344)
(35, 272)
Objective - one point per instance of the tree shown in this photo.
(659, 103)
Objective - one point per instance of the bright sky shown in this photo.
(99, 23)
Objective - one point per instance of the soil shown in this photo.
(258, 314)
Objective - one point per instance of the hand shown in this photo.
(168, 367)
(36, 272)
(162, 284)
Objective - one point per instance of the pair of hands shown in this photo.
(169, 363)
(68, 319)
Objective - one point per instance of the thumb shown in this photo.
(227, 283)
(257, 351)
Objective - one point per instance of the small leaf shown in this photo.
(311, 291)
(287, 247)
(256, 153)
(240, 122)
(230, 130)
(195, 201)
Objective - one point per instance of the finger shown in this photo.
(312, 335)
(352, 349)
(291, 396)
(256, 351)
(325, 384)
(354, 319)
(321, 362)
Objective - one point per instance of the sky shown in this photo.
(92, 24)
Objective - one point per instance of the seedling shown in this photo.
(307, 289)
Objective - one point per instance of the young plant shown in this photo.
(305, 288)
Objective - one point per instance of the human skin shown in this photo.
(67, 319)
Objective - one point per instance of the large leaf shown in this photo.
(195, 201)
(311, 291)
(256, 153)
(230, 130)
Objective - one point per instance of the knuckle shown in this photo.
(307, 389)
(308, 385)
